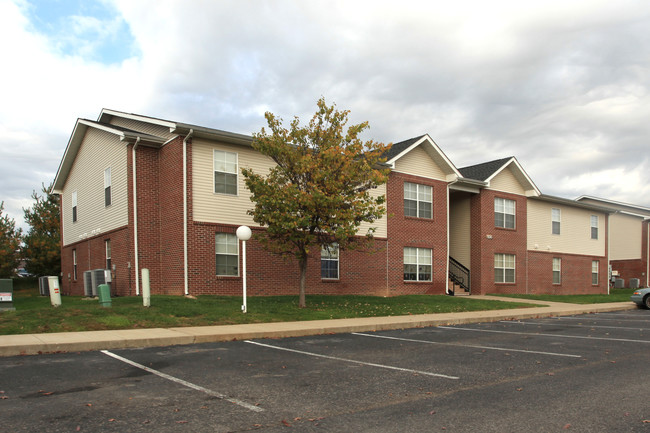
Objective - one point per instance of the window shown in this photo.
(74, 206)
(594, 227)
(417, 264)
(555, 218)
(227, 251)
(504, 268)
(74, 265)
(504, 213)
(557, 270)
(225, 172)
(107, 187)
(329, 262)
(418, 200)
(594, 272)
(107, 243)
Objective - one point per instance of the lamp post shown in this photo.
(243, 234)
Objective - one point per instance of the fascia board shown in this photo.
(69, 155)
(531, 189)
(447, 162)
(108, 112)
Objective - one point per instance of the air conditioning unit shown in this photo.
(94, 278)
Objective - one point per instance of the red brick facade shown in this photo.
(160, 245)
(488, 240)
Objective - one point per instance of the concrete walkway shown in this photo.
(32, 344)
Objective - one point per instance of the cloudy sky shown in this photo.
(562, 85)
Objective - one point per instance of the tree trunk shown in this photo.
(302, 303)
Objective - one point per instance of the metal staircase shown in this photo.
(459, 276)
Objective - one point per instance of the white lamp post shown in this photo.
(244, 233)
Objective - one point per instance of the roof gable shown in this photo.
(398, 150)
(488, 171)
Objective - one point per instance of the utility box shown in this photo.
(6, 295)
(634, 283)
(619, 283)
(104, 293)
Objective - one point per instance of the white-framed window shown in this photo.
(417, 264)
(107, 244)
(594, 272)
(74, 206)
(227, 254)
(74, 264)
(504, 268)
(107, 187)
(557, 270)
(329, 261)
(225, 172)
(594, 226)
(504, 213)
(418, 200)
(556, 215)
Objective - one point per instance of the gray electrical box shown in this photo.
(6, 295)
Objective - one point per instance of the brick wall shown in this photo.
(268, 274)
(486, 240)
(575, 274)
(91, 254)
(416, 232)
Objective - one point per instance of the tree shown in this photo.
(319, 192)
(9, 244)
(42, 243)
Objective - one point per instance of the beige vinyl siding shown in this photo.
(147, 128)
(459, 230)
(575, 230)
(418, 162)
(507, 182)
(99, 150)
(626, 237)
(212, 207)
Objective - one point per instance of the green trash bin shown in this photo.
(104, 293)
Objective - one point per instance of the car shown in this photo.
(641, 297)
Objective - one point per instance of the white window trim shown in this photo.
(226, 254)
(557, 260)
(597, 271)
(418, 200)
(558, 221)
(214, 171)
(108, 252)
(107, 185)
(417, 263)
(514, 212)
(514, 268)
(327, 256)
(75, 209)
(593, 226)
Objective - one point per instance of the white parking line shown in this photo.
(469, 345)
(593, 319)
(370, 364)
(546, 335)
(577, 325)
(185, 383)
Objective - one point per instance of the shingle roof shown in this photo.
(400, 147)
(483, 171)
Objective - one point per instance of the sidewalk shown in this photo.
(32, 344)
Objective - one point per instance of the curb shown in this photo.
(35, 344)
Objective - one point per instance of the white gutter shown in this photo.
(609, 248)
(185, 222)
(135, 220)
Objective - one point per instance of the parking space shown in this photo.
(579, 373)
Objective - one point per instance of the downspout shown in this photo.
(135, 220)
(185, 219)
(609, 247)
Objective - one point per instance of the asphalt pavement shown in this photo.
(33, 344)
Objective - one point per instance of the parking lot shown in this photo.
(585, 373)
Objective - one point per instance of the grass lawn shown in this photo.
(616, 295)
(34, 313)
